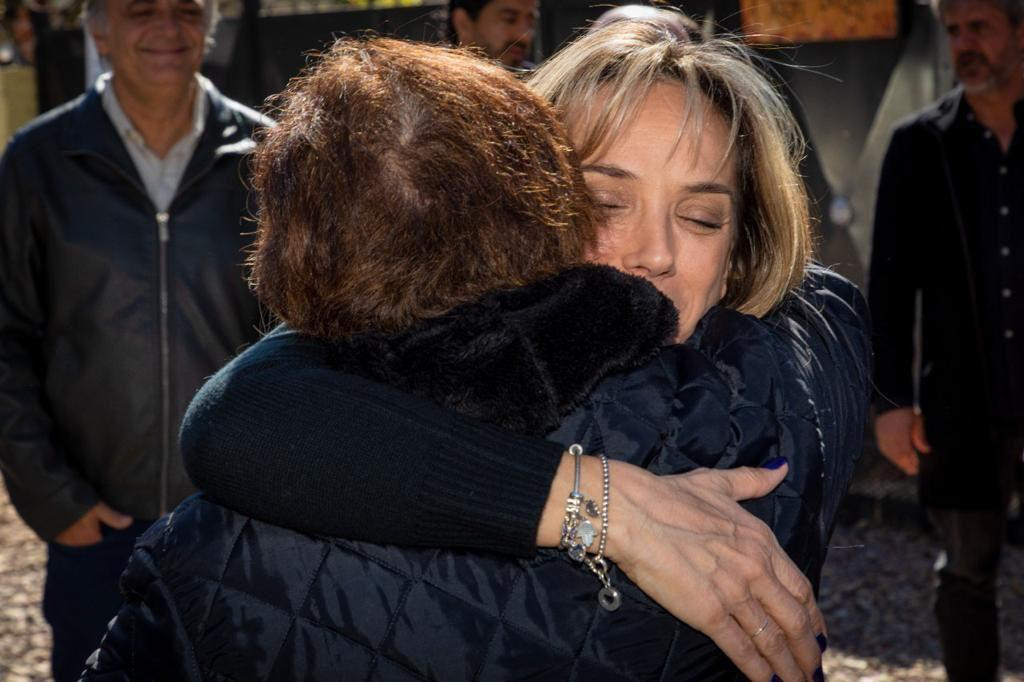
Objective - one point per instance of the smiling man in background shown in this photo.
(121, 289)
(949, 226)
(503, 29)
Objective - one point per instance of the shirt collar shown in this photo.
(965, 114)
(111, 105)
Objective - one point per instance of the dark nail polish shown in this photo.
(776, 678)
(819, 675)
(775, 463)
(822, 642)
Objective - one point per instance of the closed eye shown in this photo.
(704, 224)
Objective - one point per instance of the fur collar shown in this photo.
(522, 358)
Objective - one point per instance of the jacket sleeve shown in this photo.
(45, 489)
(352, 458)
(893, 275)
(795, 384)
(147, 640)
(829, 333)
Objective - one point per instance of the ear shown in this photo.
(99, 36)
(463, 24)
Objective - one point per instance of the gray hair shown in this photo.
(1013, 9)
(94, 14)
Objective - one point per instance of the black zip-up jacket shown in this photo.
(112, 314)
(922, 244)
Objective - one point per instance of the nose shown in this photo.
(962, 42)
(651, 250)
(524, 30)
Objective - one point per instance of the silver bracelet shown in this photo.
(578, 531)
(608, 597)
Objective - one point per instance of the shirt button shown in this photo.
(1008, 334)
(1007, 293)
(1004, 210)
(988, 134)
(1004, 251)
(1002, 170)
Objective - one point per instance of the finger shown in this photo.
(798, 622)
(902, 456)
(740, 648)
(918, 438)
(771, 643)
(908, 462)
(797, 584)
(84, 531)
(745, 483)
(112, 518)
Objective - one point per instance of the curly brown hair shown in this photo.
(404, 179)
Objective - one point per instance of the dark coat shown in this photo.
(921, 244)
(213, 594)
(94, 374)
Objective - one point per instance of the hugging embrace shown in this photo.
(473, 275)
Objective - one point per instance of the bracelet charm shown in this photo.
(578, 533)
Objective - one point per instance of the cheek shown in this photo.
(607, 249)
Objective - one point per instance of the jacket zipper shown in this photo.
(163, 237)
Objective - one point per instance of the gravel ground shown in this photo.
(24, 635)
(875, 595)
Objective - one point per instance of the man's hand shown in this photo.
(86, 530)
(900, 437)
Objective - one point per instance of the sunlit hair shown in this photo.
(600, 81)
(404, 179)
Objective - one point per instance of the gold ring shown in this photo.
(761, 629)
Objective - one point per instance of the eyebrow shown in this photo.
(695, 188)
(610, 171)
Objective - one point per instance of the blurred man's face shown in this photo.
(986, 48)
(152, 43)
(503, 29)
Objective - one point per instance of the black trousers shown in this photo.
(81, 596)
(966, 604)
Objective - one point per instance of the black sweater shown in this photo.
(419, 452)
(430, 466)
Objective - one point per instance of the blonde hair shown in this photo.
(599, 82)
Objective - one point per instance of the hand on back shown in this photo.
(686, 542)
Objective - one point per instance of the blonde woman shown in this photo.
(689, 155)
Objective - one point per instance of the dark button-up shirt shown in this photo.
(990, 192)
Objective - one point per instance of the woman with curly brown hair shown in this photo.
(408, 240)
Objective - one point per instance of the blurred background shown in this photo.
(851, 69)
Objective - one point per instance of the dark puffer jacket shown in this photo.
(211, 594)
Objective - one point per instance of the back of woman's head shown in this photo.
(599, 82)
(402, 180)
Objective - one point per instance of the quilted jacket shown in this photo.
(212, 594)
